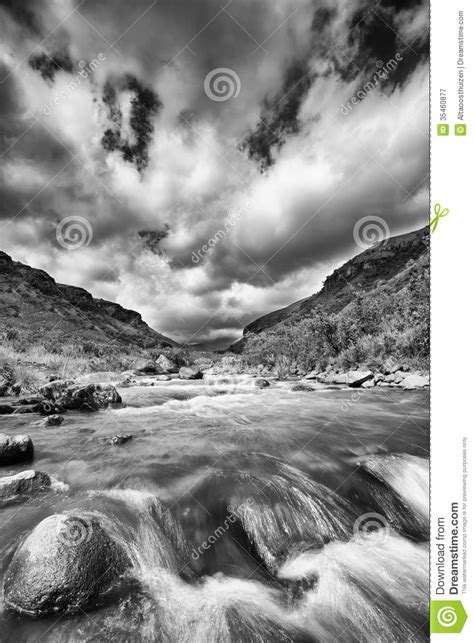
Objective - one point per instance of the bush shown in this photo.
(375, 326)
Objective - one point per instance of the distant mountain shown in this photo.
(34, 309)
(387, 265)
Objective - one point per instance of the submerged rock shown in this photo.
(262, 383)
(117, 440)
(302, 387)
(63, 565)
(190, 373)
(25, 482)
(54, 420)
(15, 449)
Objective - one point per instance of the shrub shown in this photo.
(376, 325)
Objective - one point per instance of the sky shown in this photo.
(205, 162)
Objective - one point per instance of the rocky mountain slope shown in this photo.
(34, 309)
(387, 265)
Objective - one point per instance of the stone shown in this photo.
(82, 397)
(338, 378)
(368, 384)
(163, 378)
(25, 482)
(117, 440)
(53, 390)
(54, 420)
(46, 407)
(190, 373)
(65, 563)
(142, 365)
(312, 375)
(262, 383)
(166, 365)
(415, 381)
(302, 387)
(3, 386)
(357, 378)
(15, 449)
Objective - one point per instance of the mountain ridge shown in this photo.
(34, 307)
(383, 264)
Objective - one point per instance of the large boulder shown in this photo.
(166, 365)
(81, 397)
(357, 378)
(143, 365)
(15, 449)
(415, 381)
(25, 482)
(66, 562)
(53, 390)
(190, 373)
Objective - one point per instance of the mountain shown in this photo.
(387, 265)
(35, 309)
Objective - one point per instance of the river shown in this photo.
(250, 515)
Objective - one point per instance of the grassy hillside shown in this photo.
(38, 313)
(373, 309)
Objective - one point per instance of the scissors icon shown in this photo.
(438, 215)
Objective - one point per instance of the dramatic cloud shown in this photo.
(221, 153)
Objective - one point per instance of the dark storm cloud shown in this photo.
(176, 167)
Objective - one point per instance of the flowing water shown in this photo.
(248, 515)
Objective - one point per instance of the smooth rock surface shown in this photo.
(66, 562)
(415, 381)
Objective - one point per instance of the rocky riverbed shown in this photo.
(224, 508)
